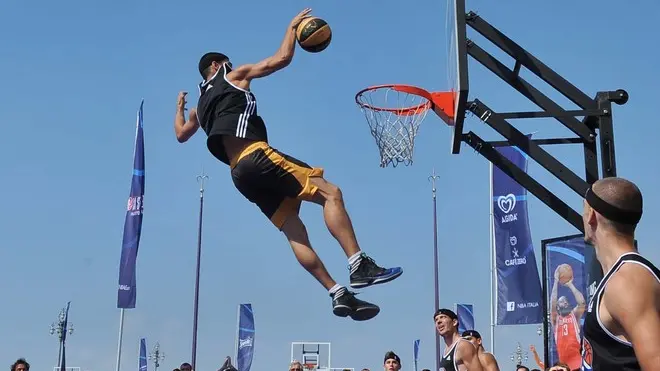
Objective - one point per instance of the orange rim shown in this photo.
(442, 100)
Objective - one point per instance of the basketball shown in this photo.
(565, 273)
(313, 34)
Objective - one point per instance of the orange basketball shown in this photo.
(565, 273)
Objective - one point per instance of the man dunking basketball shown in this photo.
(487, 359)
(566, 322)
(622, 324)
(275, 182)
(460, 354)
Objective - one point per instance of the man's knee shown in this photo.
(327, 191)
(333, 193)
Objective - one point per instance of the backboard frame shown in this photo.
(463, 83)
(596, 113)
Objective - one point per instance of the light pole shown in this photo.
(519, 355)
(200, 179)
(61, 328)
(156, 356)
(433, 178)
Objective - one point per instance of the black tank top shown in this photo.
(225, 109)
(448, 361)
(600, 349)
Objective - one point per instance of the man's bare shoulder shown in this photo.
(633, 288)
(631, 281)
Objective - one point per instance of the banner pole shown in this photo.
(492, 264)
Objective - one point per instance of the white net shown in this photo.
(394, 117)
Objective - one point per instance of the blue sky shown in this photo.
(73, 74)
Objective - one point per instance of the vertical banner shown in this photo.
(519, 292)
(566, 264)
(65, 327)
(465, 313)
(143, 355)
(245, 337)
(416, 352)
(127, 294)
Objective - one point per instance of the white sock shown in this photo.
(354, 261)
(337, 290)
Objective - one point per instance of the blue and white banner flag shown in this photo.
(127, 292)
(519, 291)
(245, 338)
(143, 355)
(65, 328)
(465, 313)
(416, 352)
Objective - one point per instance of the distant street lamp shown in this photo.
(60, 329)
(156, 356)
(519, 355)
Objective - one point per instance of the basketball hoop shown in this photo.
(394, 113)
(309, 366)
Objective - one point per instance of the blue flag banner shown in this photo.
(65, 327)
(465, 313)
(566, 272)
(245, 337)
(143, 355)
(127, 292)
(416, 352)
(519, 292)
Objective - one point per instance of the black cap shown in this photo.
(447, 312)
(209, 58)
(473, 333)
(392, 355)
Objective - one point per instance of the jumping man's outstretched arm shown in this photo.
(242, 75)
(182, 128)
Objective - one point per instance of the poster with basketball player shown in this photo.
(566, 264)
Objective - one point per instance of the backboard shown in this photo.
(307, 352)
(457, 67)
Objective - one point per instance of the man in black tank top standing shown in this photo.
(622, 324)
(275, 182)
(460, 354)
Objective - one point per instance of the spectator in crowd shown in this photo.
(535, 369)
(392, 362)
(295, 366)
(20, 365)
(227, 366)
(176, 369)
(365, 369)
(185, 367)
(521, 368)
(537, 358)
(487, 359)
(559, 366)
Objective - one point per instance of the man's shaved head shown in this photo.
(620, 195)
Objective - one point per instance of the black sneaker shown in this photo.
(346, 304)
(368, 273)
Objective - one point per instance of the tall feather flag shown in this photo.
(65, 326)
(143, 355)
(416, 353)
(127, 290)
(245, 340)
